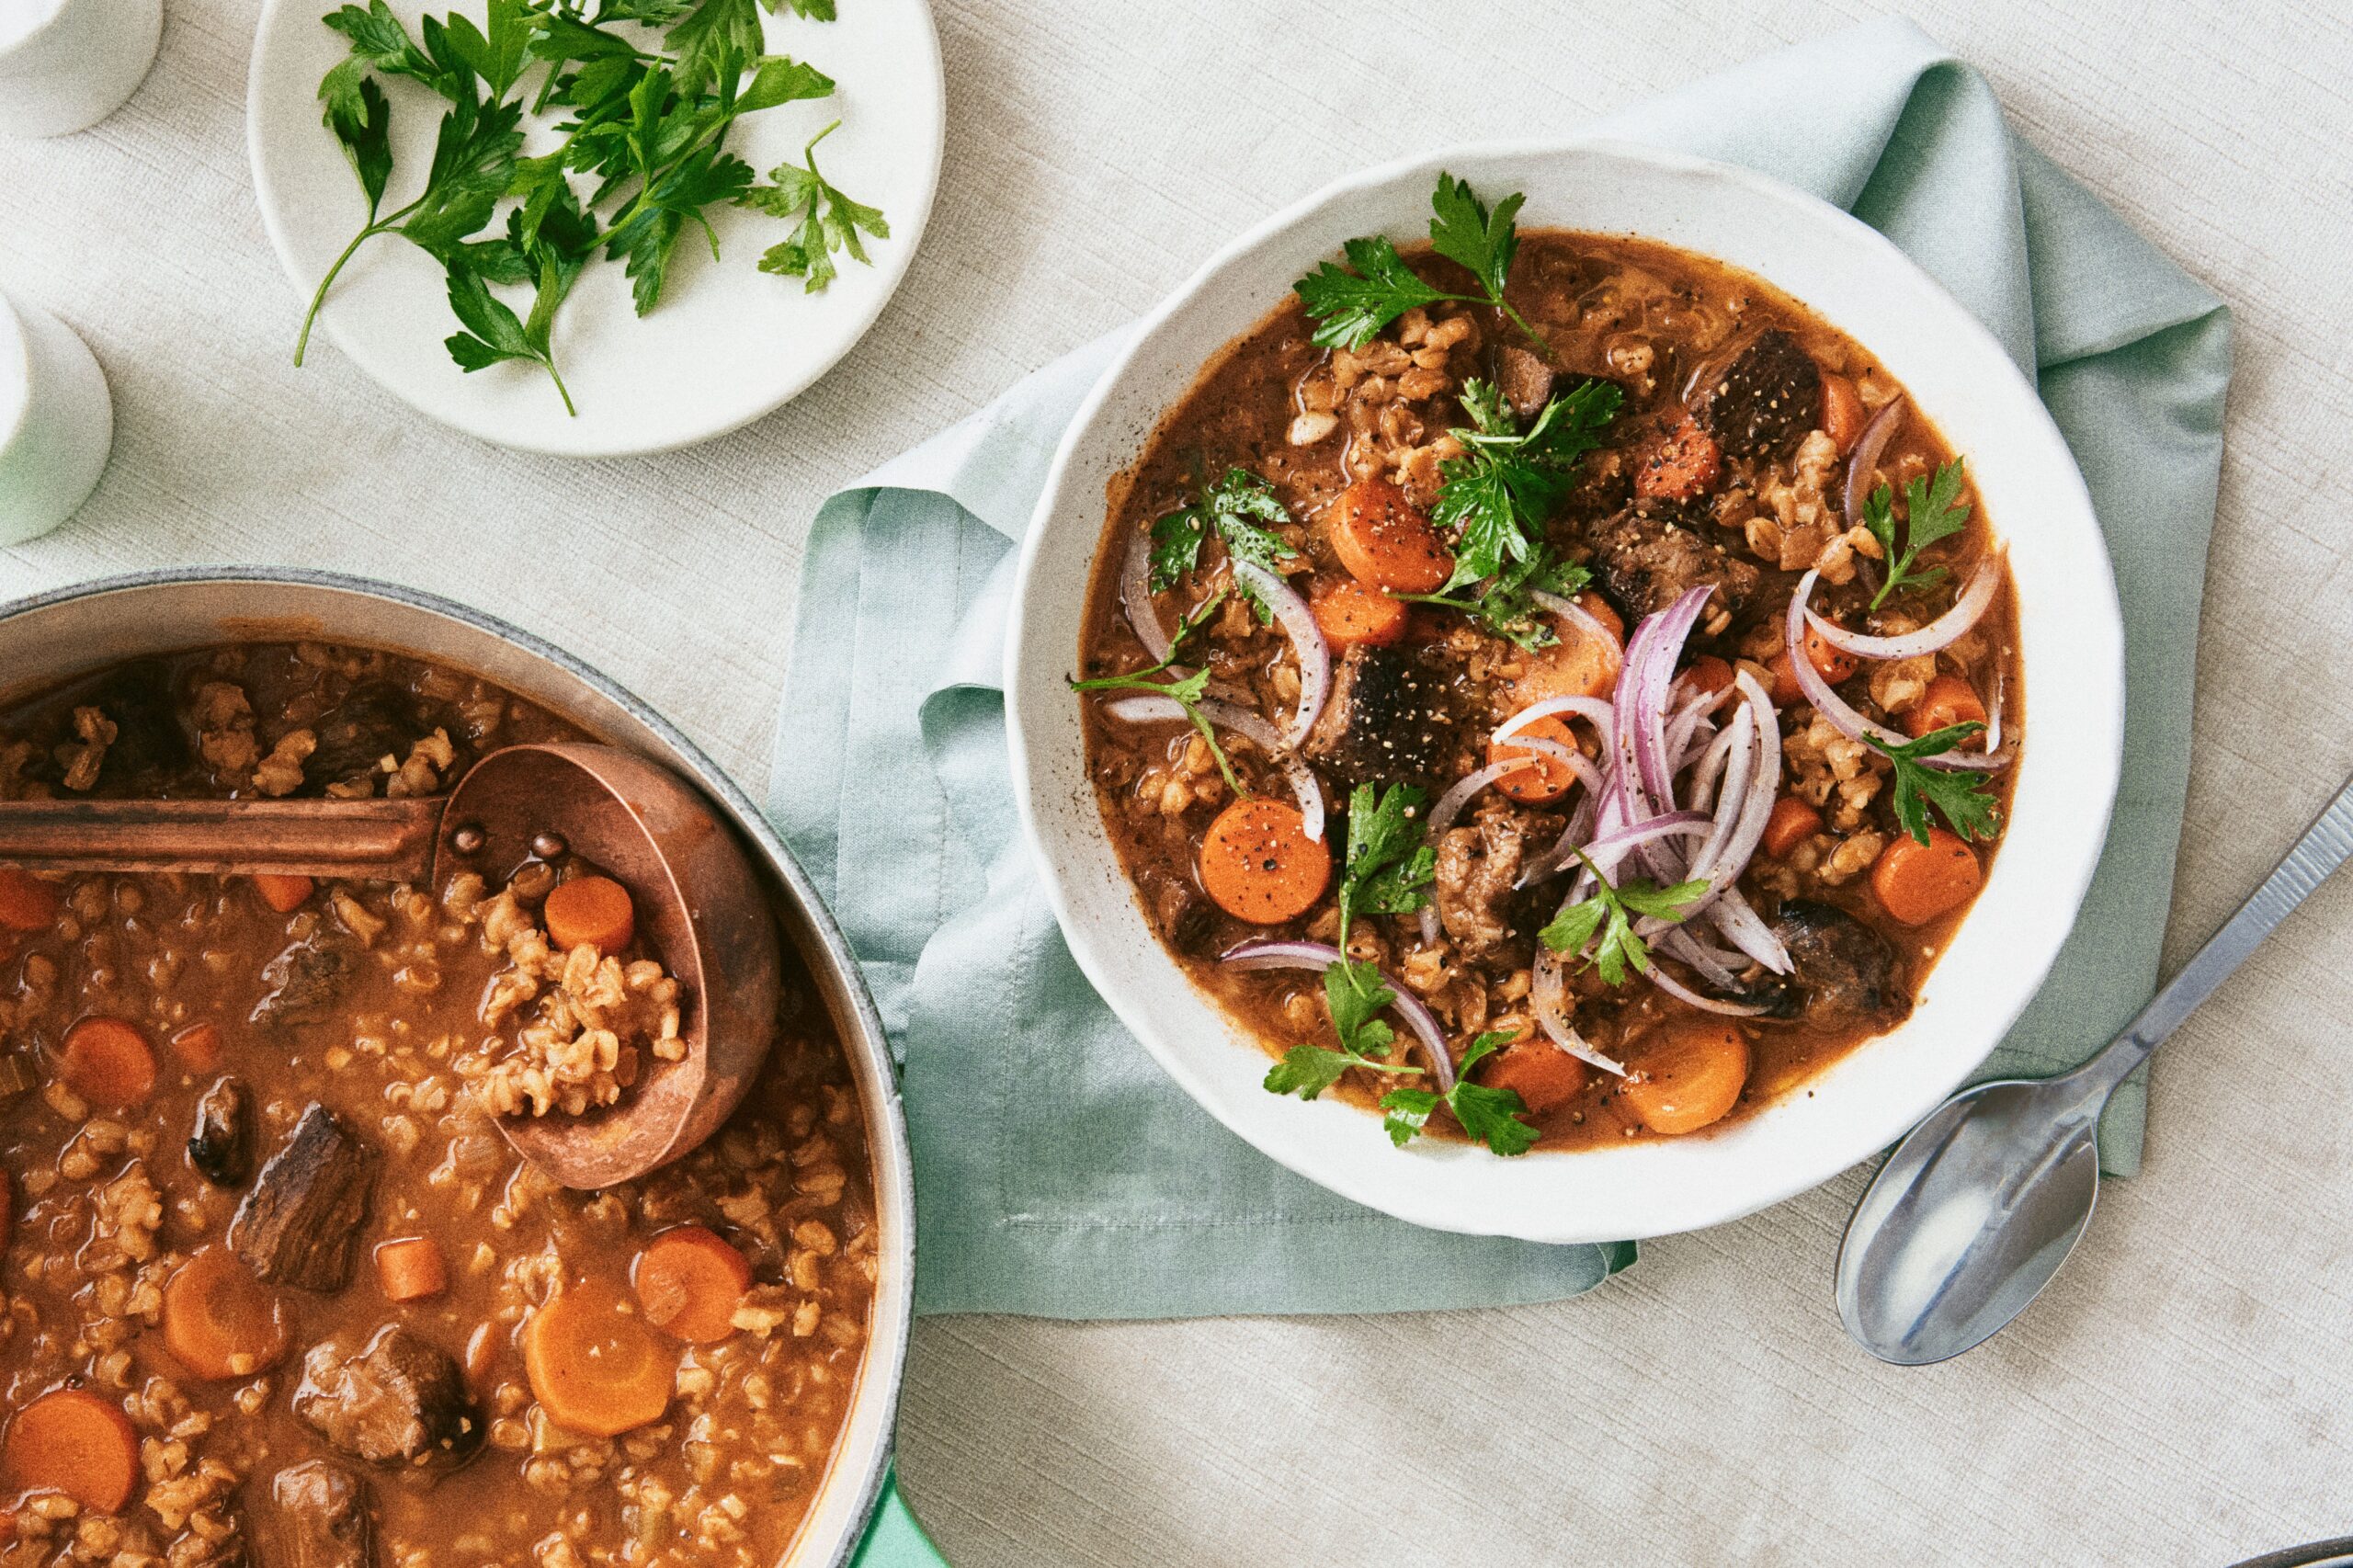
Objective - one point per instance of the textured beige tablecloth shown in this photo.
(2185, 1391)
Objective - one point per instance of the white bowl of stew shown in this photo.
(1732, 258)
(139, 651)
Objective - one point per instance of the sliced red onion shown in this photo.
(1745, 929)
(1307, 641)
(1848, 722)
(1941, 633)
(1702, 787)
(1592, 709)
(1548, 998)
(1135, 597)
(1993, 715)
(1611, 847)
(1582, 618)
(1865, 461)
(1682, 993)
(1146, 710)
(1576, 761)
(1705, 961)
(1321, 956)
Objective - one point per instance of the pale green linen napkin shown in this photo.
(1058, 1172)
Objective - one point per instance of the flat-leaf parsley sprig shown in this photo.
(647, 127)
(1351, 307)
(1965, 798)
(1237, 506)
(1186, 693)
(1932, 510)
(1384, 871)
(1609, 915)
(1490, 1115)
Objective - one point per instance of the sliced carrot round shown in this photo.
(198, 1045)
(1915, 882)
(1550, 778)
(1792, 823)
(594, 1364)
(73, 1441)
(1833, 665)
(1690, 1075)
(1842, 412)
(1385, 541)
(1352, 615)
(411, 1268)
(284, 895)
(219, 1320)
(1259, 865)
(1579, 664)
(1684, 464)
(1543, 1075)
(689, 1283)
(28, 903)
(109, 1061)
(1707, 673)
(593, 912)
(1949, 700)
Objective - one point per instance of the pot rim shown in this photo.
(883, 1367)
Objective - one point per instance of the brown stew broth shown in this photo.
(108, 1205)
(1647, 317)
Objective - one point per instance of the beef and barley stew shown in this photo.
(1553, 686)
(278, 1292)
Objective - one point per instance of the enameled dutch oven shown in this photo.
(857, 1517)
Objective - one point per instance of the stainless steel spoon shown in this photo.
(1979, 1205)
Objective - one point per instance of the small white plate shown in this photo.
(727, 344)
(2070, 631)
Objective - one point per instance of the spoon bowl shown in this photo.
(699, 905)
(1969, 1219)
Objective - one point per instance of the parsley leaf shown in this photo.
(1489, 1115)
(1965, 798)
(1498, 494)
(1227, 506)
(1307, 1071)
(551, 253)
(1388, 862)
(1609, 914)
(1506, 608)
(830, 220)
(1463, 230)
(1932, 510)
(1350, 308)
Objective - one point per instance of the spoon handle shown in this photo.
(376, 840)
(2324, 846)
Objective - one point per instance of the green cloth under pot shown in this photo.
(1058, 1170)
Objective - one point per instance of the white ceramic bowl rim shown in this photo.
(832, 961)
(2066, 779)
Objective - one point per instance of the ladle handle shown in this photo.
(2324, 846)
(371, 840)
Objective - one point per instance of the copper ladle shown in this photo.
(696, 899)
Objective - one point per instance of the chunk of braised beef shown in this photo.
(221, 1147)
(1477, 865)
(1524, 379)
(1186, 919)
(306, 983)
(325, 1510)
(1651, 553)
(1391, 718)
(300, 1224)
(1762, 400)
(375, 720)
(1843, 972)
(401, 1401)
